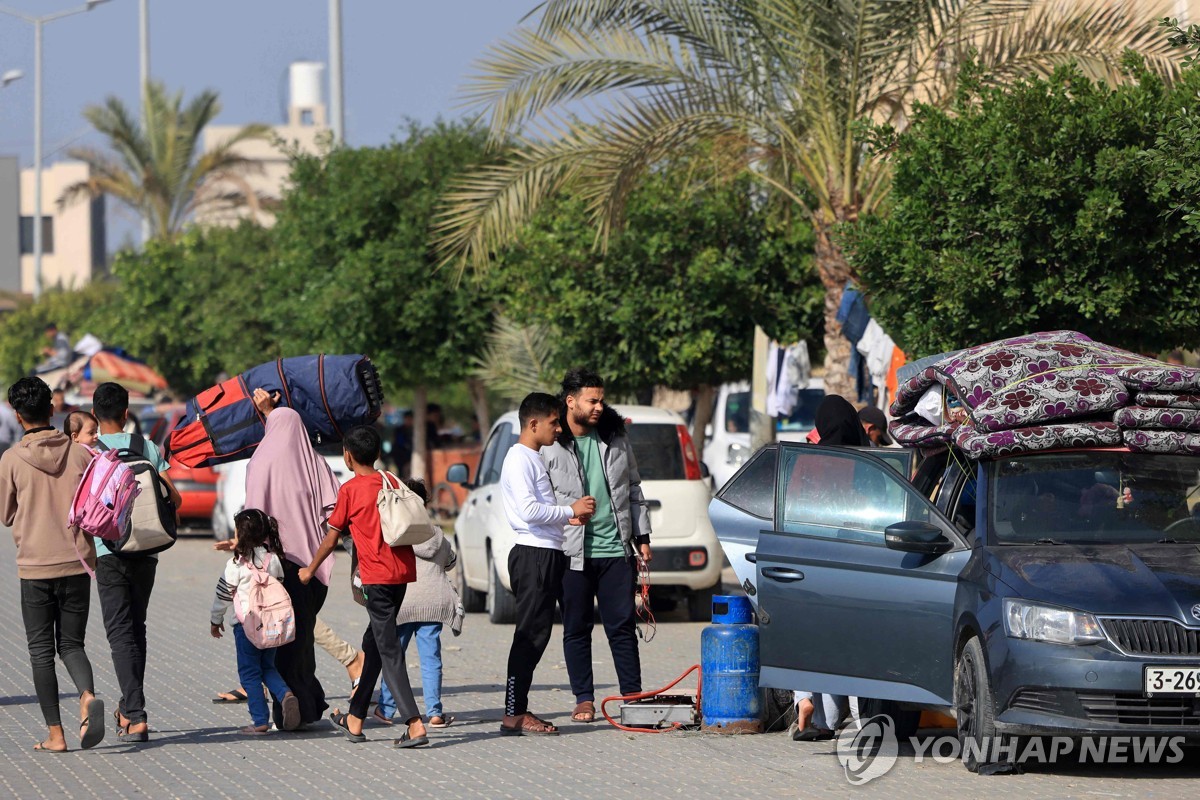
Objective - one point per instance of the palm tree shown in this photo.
(156, 169)
(593, 93)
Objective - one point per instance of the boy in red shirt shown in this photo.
(385, 572)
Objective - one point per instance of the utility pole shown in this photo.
(144, 65)
(337, 114)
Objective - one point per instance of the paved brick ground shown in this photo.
(196, 752)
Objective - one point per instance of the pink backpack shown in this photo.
(268, 621)
(104, 498)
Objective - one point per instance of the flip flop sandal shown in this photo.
(339, 719)
(812, 734)
(126, 735)
(405, 741)
(586, 709)
(92, 727)
(41, 748)
(446, 721)
(529, 726)
(250, 730)
(236, 696)
(291, 712)
(381, 719)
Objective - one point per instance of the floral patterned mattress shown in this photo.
(1050, 391)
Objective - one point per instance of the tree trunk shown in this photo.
(479, 401)
(705, 396)
(420, 455)
(834, 271)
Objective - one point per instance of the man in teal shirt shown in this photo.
(124, 583)
(593, 457)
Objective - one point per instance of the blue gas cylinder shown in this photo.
(730, 701)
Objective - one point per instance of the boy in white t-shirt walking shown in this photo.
(536, 562)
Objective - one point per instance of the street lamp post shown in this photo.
(337, 113)
(37, 23)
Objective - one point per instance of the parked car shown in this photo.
(727, 439)
(687, 559)
(231, 487)
(1049, 593)
(197, 486)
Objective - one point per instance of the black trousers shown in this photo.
(381, 651)
(536, 575)
(124, 585)
(55, 613)
(297, 660)
(609, 583)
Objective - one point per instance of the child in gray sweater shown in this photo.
(429, 604)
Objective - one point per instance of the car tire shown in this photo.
(778, 708)
(906, 720)
(501, 603)
(974, 707)
(699, 603)
(472, 601)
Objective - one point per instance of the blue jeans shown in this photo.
(256, 667)
(429, 648)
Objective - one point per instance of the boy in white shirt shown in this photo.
(536, 562)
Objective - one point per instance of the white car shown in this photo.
(231, 487)
(687, 557)
(727, 444)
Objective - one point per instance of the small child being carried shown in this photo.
(258, 548)
(83, 429)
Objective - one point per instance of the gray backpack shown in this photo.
(152, 526)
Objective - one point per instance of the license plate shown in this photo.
(1172, 680)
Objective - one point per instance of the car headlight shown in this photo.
(737, 454)
(1024, 620)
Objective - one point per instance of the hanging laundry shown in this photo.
(853, 314)
(788, 371)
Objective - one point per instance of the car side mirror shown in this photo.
(917, 537)
(460, 474)
(708, 431)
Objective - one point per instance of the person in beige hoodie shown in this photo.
(38, 478)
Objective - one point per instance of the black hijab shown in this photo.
(838, 423)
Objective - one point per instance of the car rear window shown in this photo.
(656, 448)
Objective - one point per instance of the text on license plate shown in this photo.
(1172, 680)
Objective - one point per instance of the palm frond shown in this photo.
(517, 360)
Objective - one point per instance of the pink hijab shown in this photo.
(288, 480)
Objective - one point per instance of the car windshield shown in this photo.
(804, 415)
(1095, 497)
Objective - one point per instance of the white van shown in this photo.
(687, 558)
(727, 441)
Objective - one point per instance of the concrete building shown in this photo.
(74, 244)
(305, 129)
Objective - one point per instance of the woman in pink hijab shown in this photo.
(287, 479)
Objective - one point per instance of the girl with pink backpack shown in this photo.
(251, 584)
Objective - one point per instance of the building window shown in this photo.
(27, 235)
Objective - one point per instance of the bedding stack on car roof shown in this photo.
(1049, 391)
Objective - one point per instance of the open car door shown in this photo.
(840, 611)
(745, 506)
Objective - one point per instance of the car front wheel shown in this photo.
(974, 706)
(501, 603)
(472, 600)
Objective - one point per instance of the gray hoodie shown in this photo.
(621, 473)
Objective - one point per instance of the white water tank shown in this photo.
(305, 79)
